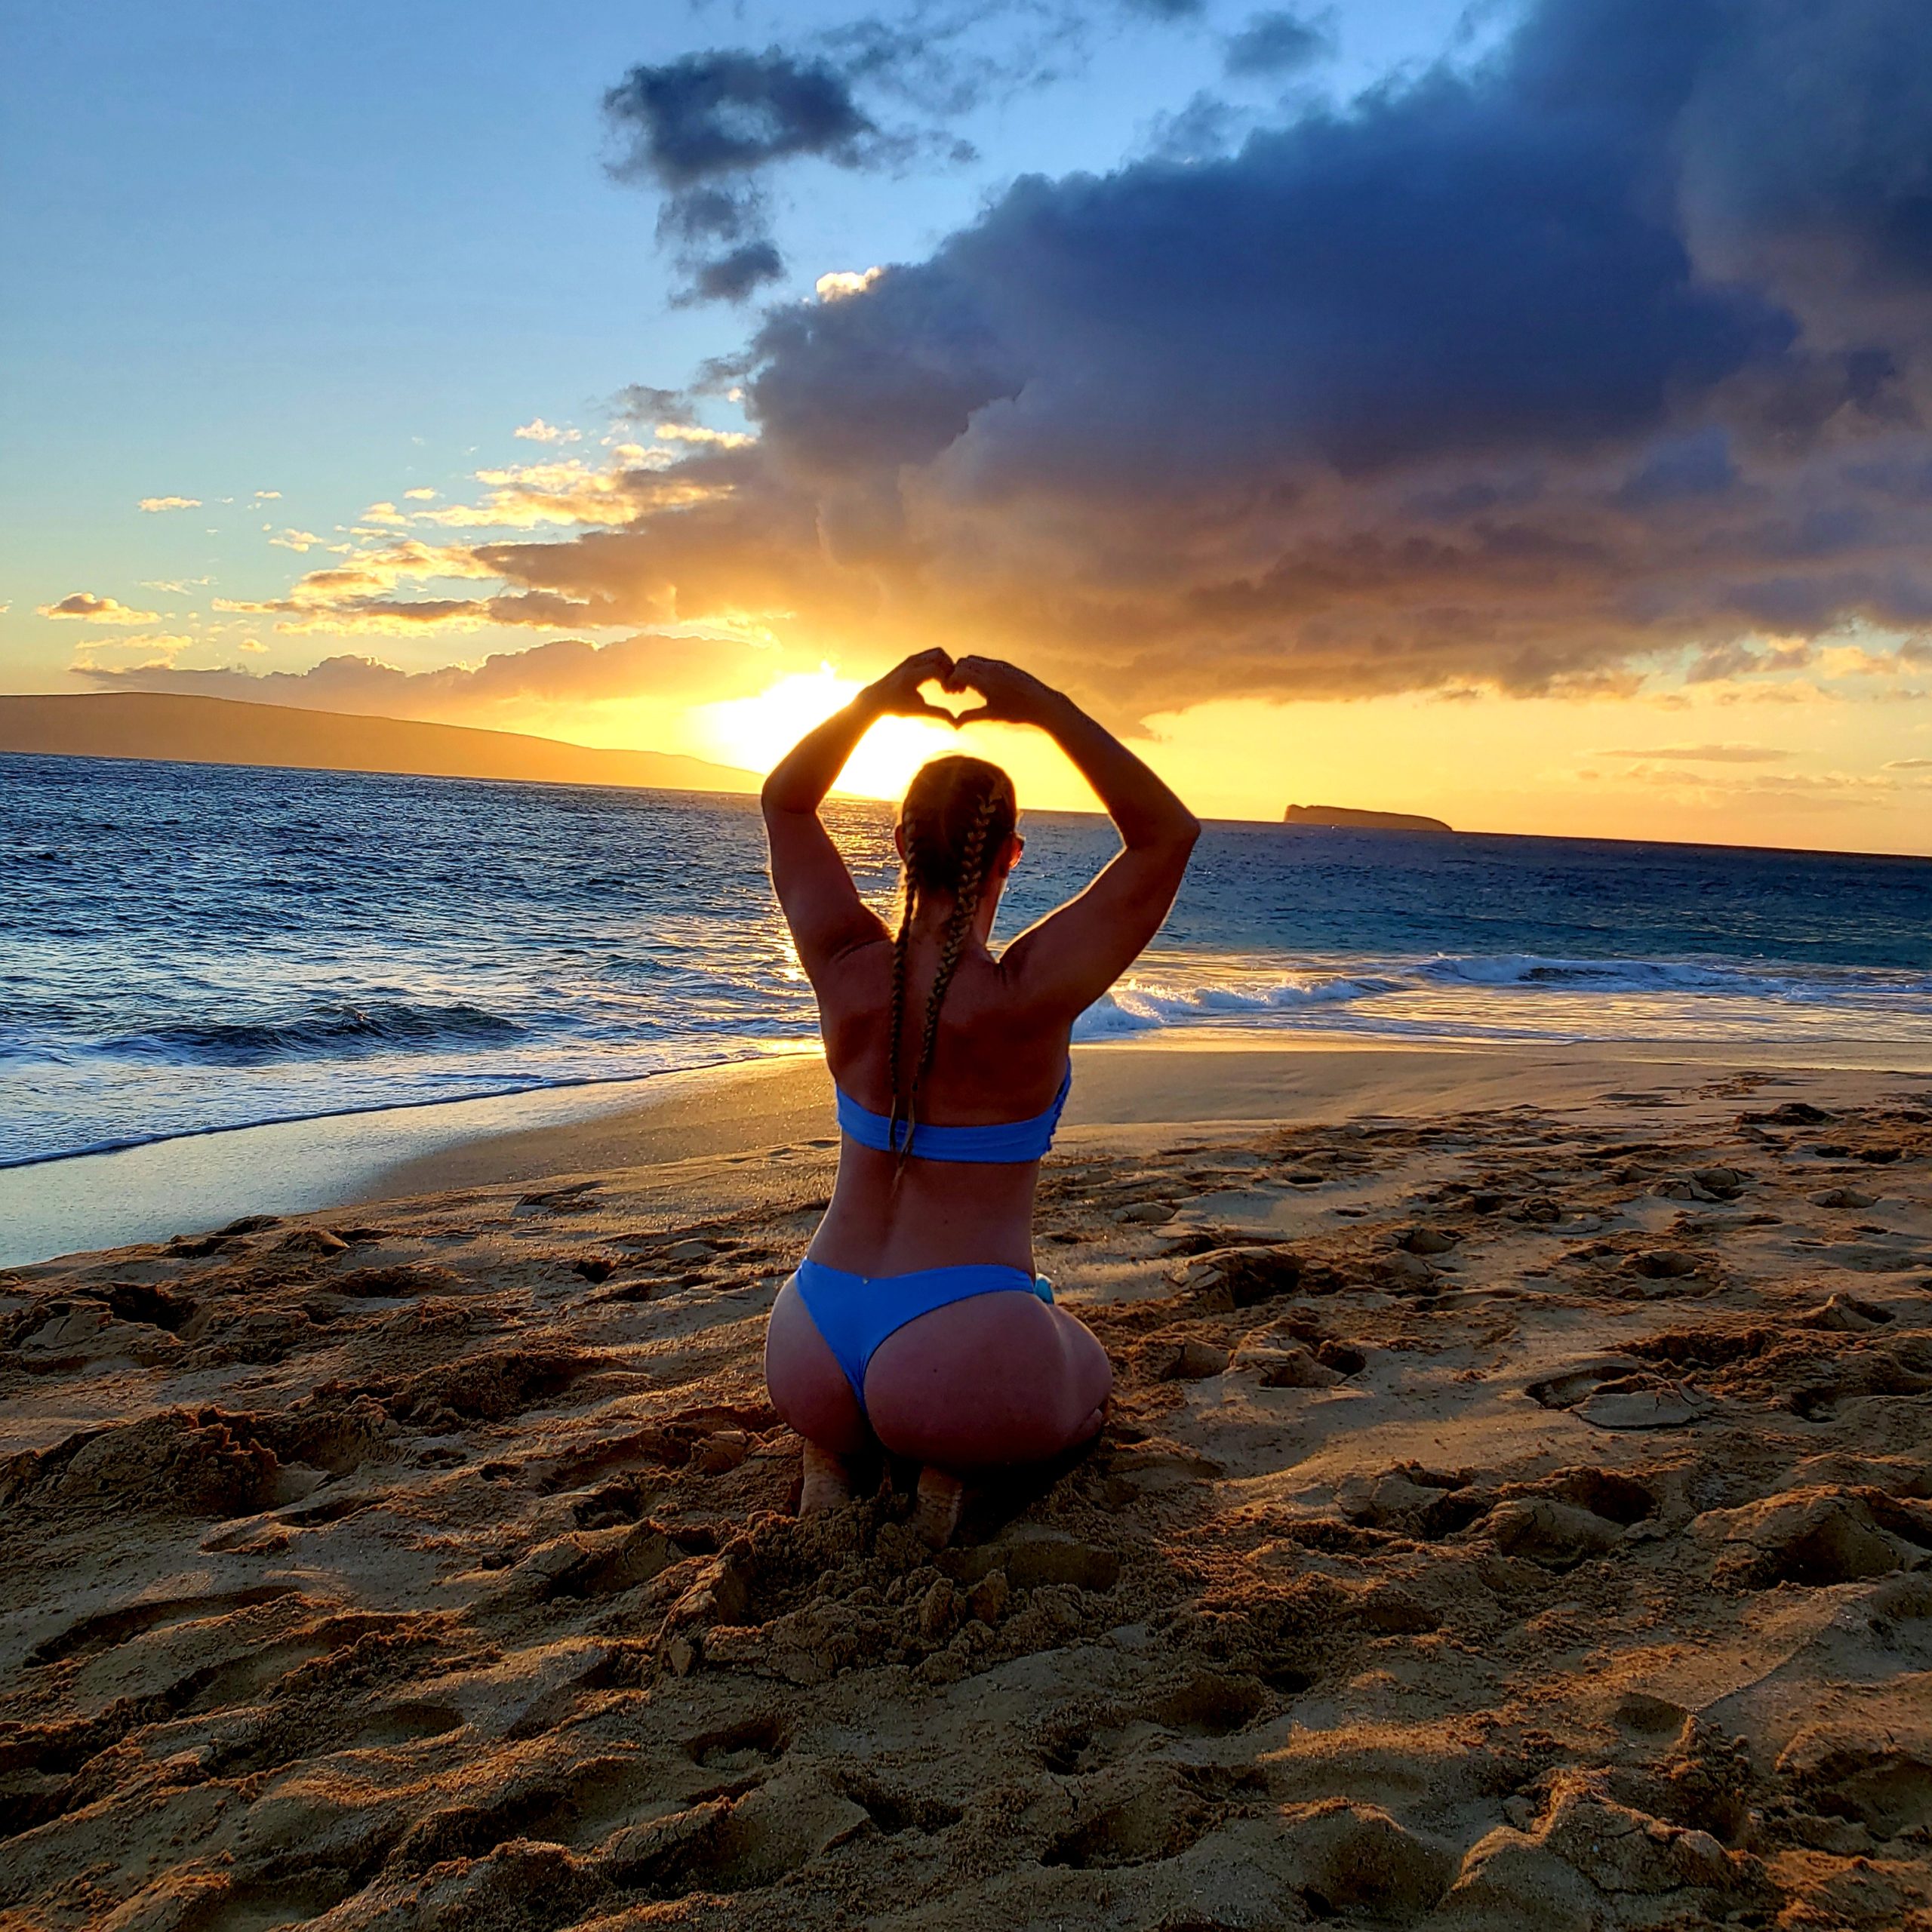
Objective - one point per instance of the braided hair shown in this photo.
(958, 815)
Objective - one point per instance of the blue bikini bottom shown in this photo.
(855, 1313)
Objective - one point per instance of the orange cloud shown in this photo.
(84, 605)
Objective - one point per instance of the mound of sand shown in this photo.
(1508, 1518)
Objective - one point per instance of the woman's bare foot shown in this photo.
(828, 1484)
(935, 1514)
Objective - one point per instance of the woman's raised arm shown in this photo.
(815, 889)
(1074, 954)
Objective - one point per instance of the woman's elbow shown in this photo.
(1173, 839)
(775, 799)
(1181, 838)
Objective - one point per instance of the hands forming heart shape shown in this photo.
(1007, 695)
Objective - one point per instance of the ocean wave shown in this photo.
(1530, 970)
(1139, 1007)
(1501, 996)
(327, 1032)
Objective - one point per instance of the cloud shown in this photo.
(1273, 44)
(90, 609)
(1547, 373)
(268, 496)
(358, 595)
(642, 402)
(156, 647)
(419, 495)
(719, 114)
(538, 431)
(1909, 764)
(696, 433)
(702, 128)
(1705, 754)
(569, 491)
(836, 283)
(566, 672)
(155, 505)
(1609, 353)
(710, 130)
(732, 276)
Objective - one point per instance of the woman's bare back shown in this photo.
(995, 1060)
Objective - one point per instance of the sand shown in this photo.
(1515, 1512)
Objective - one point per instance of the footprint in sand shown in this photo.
(1644, 1402)
(1619, 1392)
(1847, 1314)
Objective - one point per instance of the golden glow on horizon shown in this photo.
(755, 733)
(1768, 771)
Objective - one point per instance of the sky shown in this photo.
(1515, 413)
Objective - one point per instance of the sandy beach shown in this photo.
(1515, 1511)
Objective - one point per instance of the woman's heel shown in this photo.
(936, 1513)
(828, 1483)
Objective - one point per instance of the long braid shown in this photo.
(902, 947)
(965, 905)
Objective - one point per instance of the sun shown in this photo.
(755, 733)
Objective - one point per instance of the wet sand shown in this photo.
(1515, 1512)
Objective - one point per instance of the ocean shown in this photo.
(188, 948)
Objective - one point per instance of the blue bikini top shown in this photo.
(1006, 1140)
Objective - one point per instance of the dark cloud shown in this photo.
(943, 58)
(704, 127)
(721, 114)
(1356, 292)
(1615, 345)
(1277, 43)
(1694, 466)
(710, 129)
(644, 402)
(732, 277)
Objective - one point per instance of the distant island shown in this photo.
(220, 731)
(1346, 818)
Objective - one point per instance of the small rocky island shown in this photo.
(1346, 818)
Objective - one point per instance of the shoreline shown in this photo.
(195, 1183)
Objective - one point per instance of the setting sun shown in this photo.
(756, 732)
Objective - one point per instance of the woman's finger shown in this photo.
(980, 714)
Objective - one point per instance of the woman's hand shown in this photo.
(897, 695)
(1010, 695)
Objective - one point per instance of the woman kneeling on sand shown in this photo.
(916, 1320)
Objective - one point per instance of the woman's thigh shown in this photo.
(998, 1378)
(807, 1386)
